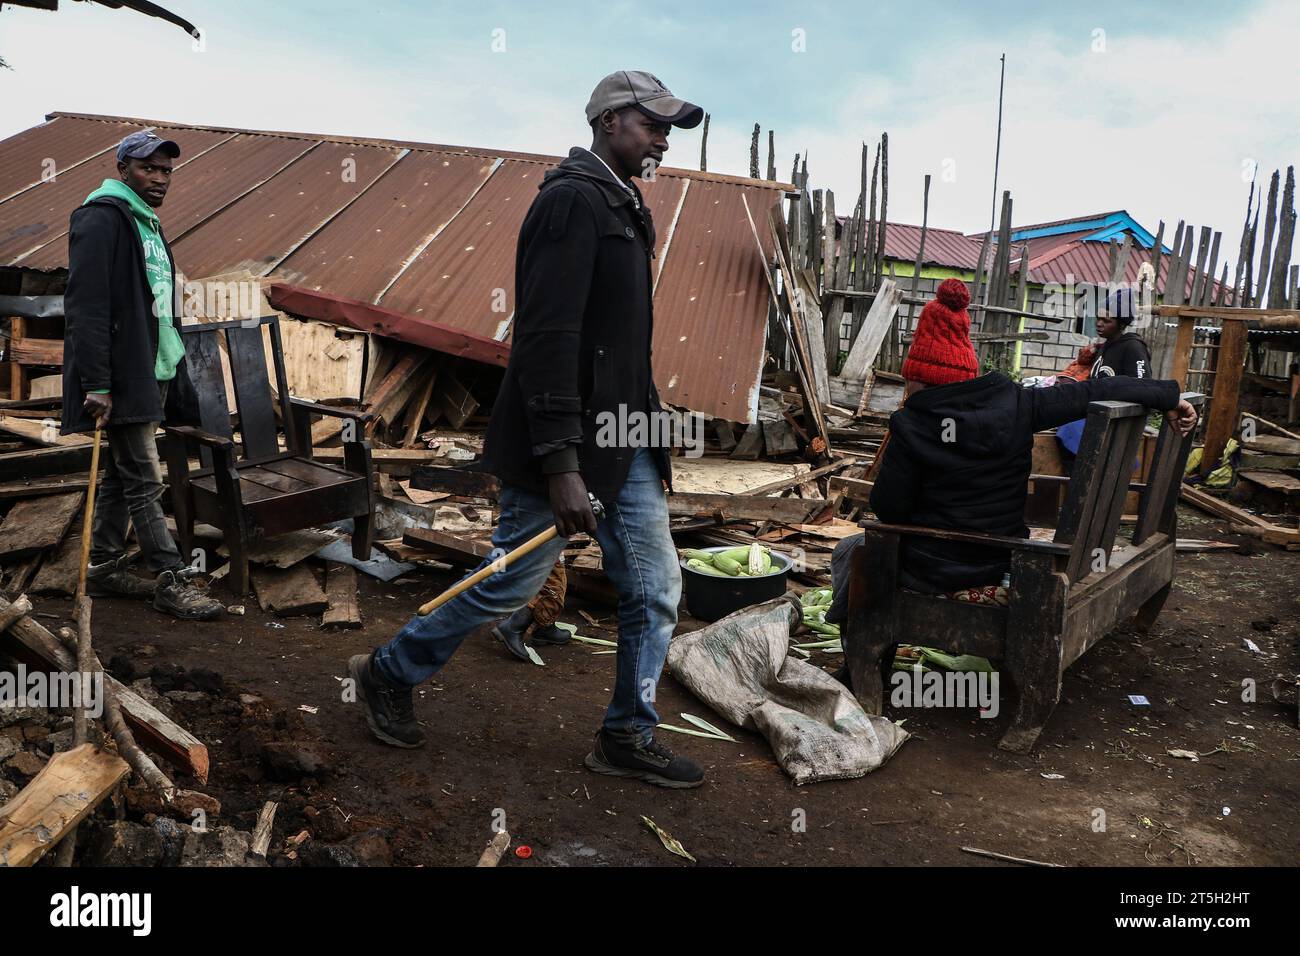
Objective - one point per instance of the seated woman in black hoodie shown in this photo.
(1121, 352)
(959, 451)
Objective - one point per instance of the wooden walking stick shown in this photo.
(89, 516)
(503, 562)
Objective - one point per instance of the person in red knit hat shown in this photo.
(941, 351)
(960, 447)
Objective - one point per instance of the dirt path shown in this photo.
(509, 735)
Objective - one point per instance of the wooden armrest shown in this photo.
(317, 407)
(199, 435)
(967, 537)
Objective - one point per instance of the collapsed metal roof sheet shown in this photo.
(411, 229)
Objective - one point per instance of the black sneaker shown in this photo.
(112, 579)
(389, 709)
(175, 595)
(653, 763)
(512, 637)
(550, 634)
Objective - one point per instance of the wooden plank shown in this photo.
(59, 572)
(288, 593)
(784, 510)
(1272, 445)
(1097, 605)
(42, 462)
(866, 346)
(454, 548)
(855, 489)
(341, 591)
(29, 351)
(1221, 509)
(63, 794)
(153, 729)
(37, 524)
(798, 479)
(415, 419)
(478, 484)
(286, 550)
(17, 490)
(1226, 396)
(40, 432)
(750, 445)
(453, 399)
(253, 392)
(778, 437)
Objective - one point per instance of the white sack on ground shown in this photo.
(741, 667)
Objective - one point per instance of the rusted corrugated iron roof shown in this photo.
(946, 248)
(415, 230)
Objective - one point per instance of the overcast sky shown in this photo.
(1160, 110)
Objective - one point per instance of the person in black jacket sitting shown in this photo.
(1121, 352)
(959, 451)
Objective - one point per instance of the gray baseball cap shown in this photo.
(143, 144)
(647, 93)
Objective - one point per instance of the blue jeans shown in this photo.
(638, 557)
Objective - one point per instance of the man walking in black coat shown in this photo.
(580, 357)
(122, 350)
(959, 451)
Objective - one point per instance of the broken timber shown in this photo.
(63, 794)
(154, 729)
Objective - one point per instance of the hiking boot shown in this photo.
(175, 595)
(389, 708)
(112, 579)
(652, 762)
(550, 634)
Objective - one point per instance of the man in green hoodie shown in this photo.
(122, 350)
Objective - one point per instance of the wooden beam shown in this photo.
(63, 794)
(152, 728)
(38, 432)
(341, 591)
(458, 550)
(36, 524)
(748, 507)
(1226, 395)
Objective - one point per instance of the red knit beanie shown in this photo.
(941, 351)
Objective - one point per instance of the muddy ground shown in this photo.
(505, 734)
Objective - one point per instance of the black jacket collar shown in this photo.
(585, 163)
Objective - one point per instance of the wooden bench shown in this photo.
(261, 490)
(1065, 594)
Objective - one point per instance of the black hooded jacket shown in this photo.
(582, 332)
(110, 337)
(959, 457)
(1125, 354)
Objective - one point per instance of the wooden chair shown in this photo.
(259, 490)
(1065, 594)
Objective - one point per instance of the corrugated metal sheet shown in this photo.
(420, 234)
(362, 250)
(264, 226)
(454, 280)
(205, 190)
(946, 248)
(40, 215)
(943, 247)
(711, 303)
(64, 142)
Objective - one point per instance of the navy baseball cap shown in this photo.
(143, 144)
